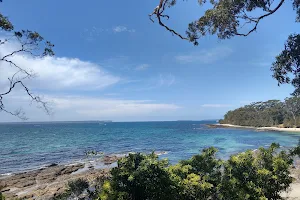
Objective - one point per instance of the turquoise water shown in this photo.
(28, 146)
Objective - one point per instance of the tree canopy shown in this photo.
(266, 114)
(230, 18)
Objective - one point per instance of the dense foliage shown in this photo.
(252, 175)
(286, 68)
(265, 114)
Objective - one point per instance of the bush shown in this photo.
(259, 175)
(2, 196)
(74, 189)
(140, 176)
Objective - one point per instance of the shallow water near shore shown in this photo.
(26, 146)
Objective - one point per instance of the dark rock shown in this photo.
(107, 160)
(53, 165)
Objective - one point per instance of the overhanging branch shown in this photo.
(257, 20)
(158, 12)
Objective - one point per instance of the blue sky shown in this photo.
(113, 63)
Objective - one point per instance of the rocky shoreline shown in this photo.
(48, 182)
(51, 181)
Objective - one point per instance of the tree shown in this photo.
(288, 63)
(292, 105)
(227, 17)
(258, 114)
(29, 43)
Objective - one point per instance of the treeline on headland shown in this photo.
(266, 114)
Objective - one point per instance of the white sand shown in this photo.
(293, 193)
(264, 128)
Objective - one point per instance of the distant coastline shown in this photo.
(59, 122)
(297, 130)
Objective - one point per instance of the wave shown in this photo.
(159, 153)
(6, 174)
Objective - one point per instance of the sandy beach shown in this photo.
(297, 130)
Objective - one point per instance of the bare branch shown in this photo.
(19, 68)
(257, 20)
(158, 12)
(36, 99)
(18, 113)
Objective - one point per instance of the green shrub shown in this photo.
(259, 175)
(2, 196)
(74, 189)
(140, 176)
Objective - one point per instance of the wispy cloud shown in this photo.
(91, 108)
(205, 56)
(111, 94)
(92, 33)
(142, 67)
(161, 81)
(119, 29)
(166, 80)
(216, 105)
(108, 108)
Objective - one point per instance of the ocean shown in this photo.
(26, 146)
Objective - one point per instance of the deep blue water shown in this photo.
(28, 146)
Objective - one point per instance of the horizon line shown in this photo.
(97, 121)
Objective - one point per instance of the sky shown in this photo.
(113, 63)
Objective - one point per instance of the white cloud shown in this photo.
(91, 108)
(216, 105)
(142, 67)
(54, 73)
(166, 80)
(119, 29)
(205, 56)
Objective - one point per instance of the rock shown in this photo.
(107, 160)
(213, 125)
(44, 183)
(52, 165)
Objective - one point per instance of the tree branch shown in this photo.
(257, 20)
(158, 11)
(34, 98)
